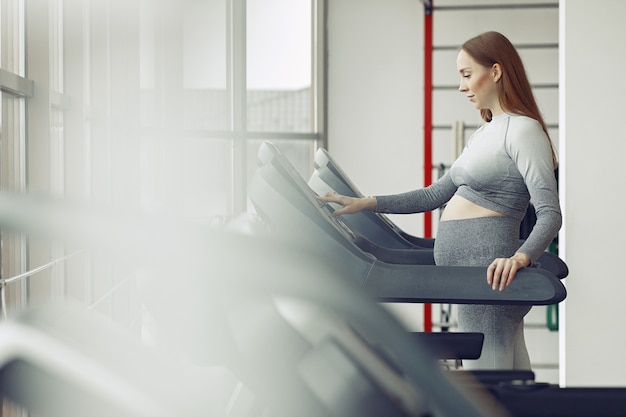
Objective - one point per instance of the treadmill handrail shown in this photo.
(293, 199)
(330, 176)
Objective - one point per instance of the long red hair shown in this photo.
(514, 90)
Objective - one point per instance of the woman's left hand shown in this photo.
(501, 271)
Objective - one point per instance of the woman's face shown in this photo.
(479, 83)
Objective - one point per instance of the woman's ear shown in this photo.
(496, 70)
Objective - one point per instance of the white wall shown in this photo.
(375, 103)
(593, 149)
(375, 95)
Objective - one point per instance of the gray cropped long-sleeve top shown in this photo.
(506, 164)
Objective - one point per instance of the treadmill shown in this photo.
(290, 207)
(329, 351)
(306, 343)
(332, 350)
(328, 176)
(292, 211)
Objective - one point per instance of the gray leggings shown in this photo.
(477, 242)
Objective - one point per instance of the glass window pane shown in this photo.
(147, 50)
(279, 65)
(12, 43)
(201, 53)
(192, 176)
(204, 64)
(204, 48)
(206, 109)
(13, 249)
(207, 178)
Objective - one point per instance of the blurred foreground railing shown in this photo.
(4, 282)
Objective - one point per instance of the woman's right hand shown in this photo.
(349, 205)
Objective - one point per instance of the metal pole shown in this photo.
(428, 129)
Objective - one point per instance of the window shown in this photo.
(218, 77)
(144, 104)
(159, 105)
(13, 95)
(278, 58)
